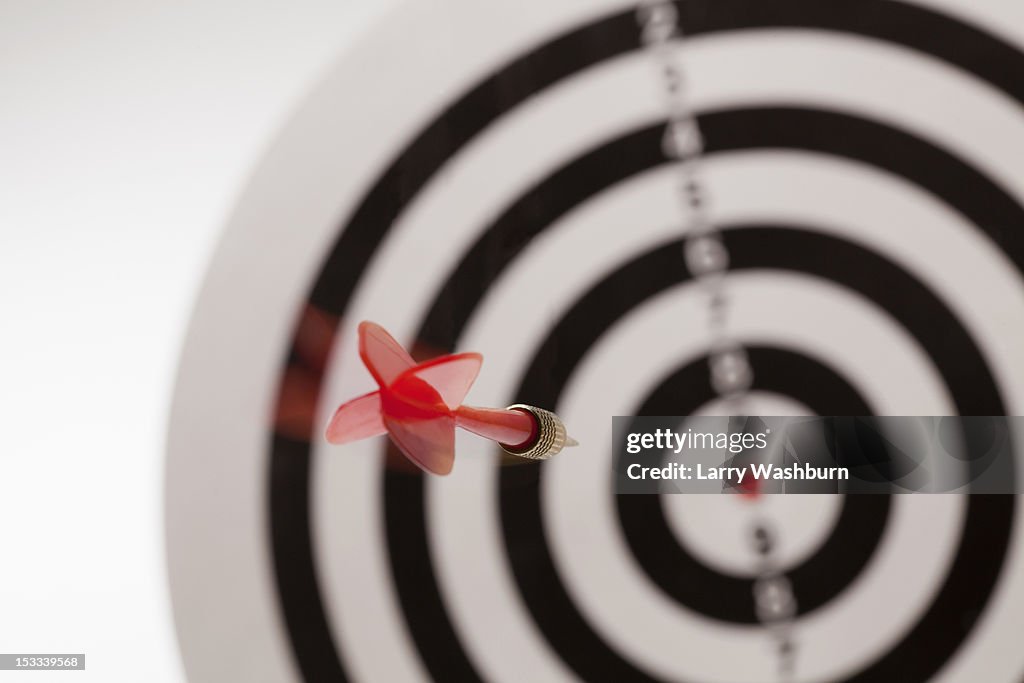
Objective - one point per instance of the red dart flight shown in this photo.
(419, 405)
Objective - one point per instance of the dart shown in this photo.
(419, 405)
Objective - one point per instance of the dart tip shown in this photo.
(569, 442)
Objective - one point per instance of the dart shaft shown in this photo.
(513, 427)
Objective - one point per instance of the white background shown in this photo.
(126, 133)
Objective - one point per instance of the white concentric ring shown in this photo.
(594, 562)
(716, 530)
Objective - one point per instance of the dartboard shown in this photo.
(490, 177)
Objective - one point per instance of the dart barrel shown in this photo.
(549, 434)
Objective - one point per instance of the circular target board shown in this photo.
(489, 177)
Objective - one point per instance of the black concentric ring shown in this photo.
(971, 579)
(964, 370)
(917, 28)
(819, 578)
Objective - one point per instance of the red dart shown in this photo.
(419, 406)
